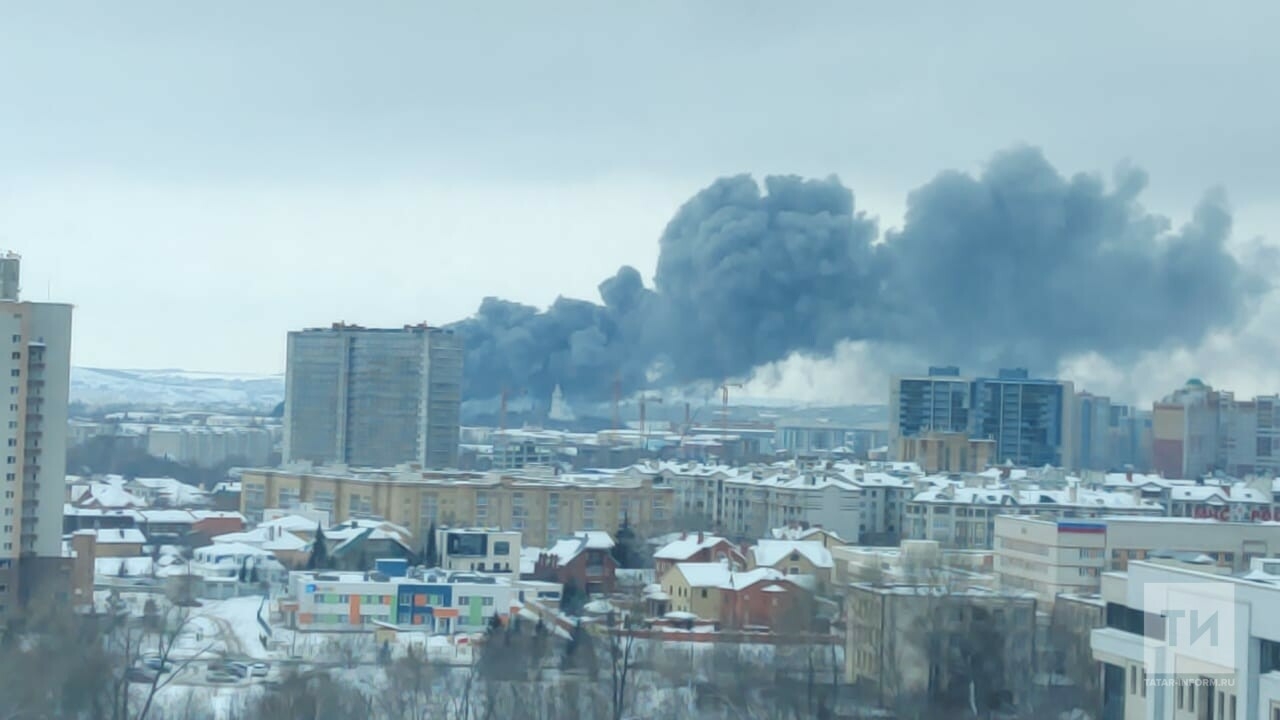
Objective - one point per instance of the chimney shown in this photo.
(1128, 475)
(684, 535)
(700, 537)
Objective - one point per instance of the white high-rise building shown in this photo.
(373, 397)
(35, 367)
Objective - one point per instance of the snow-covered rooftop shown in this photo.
(719, 575)
(687, 547)
(119, 536)
(768, 553)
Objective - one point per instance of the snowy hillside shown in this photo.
(101, 386)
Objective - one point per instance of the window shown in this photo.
(1133, 680)
(1181, 695)
(16, 355)
(704, 592)
(15, 373)
(502, 548)
(17, 338)
(11, 460)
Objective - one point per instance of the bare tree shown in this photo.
(412, 681)
(620, 648)
(311, 695)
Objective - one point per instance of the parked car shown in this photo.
(158, 664)
(140, 675)
(259, 670)
(218, 676)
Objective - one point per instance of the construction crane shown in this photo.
(644, 427)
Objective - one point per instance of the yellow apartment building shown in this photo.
(542, 507)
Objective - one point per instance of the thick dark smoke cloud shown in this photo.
(1019, 265)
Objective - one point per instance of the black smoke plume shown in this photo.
(1019, 265)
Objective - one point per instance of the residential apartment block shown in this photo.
(1029, 420)
(947, 452)
(373, 397)
(1198, 430)
(961, 516)
(1110, 436)
(35, 367)
(543, 508)
(857, 502)
(207, 446)
(937, 402)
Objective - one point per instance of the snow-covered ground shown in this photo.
(102, 386)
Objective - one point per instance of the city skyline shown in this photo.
(281, 184)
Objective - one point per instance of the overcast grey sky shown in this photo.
(200, 178)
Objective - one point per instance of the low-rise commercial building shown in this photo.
(927, 645)
(1155, 665)
(1052, 556)
(436, 601)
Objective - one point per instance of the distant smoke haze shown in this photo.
(789, 285)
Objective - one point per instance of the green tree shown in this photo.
(431, 553)
(319, 559)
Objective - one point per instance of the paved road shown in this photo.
(227, 634)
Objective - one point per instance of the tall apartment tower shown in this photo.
(367, 397)
(1031, 420)
(937, 402)
(35, 366)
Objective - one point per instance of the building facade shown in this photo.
(1151, 670)
(899, 639)
(373, 397)
(1187, 440)
(443, 603)
(542, 508)
(1049, 557)
(965, 517)
(937, 402)
(946, 452)
(36, 365)
(210, 446)
(1029, 420)
(480, 550)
